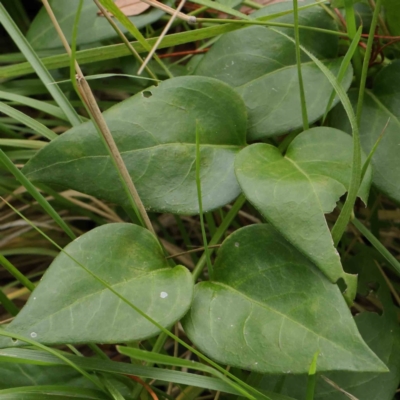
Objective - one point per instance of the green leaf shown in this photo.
(273, 100)
(70, 306)
(156, 134)
(381, 104)
(293, 192)
(19, 375)
(265, 75)
(392, 14)
(380, 332)
(92, 27)
(270, 310)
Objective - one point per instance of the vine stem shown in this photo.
(94, 110)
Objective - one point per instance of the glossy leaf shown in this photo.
(380, 332)
(156, 134)
(293, 192)
(92, 27)
(381, 105)
(261, 64)
(70, 306)
(269, 309)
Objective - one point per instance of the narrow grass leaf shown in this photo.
(344, 67)
(8, 266)
(54, 353)
(200, 199)
(311, 381)
(8, 305)
(35, 194)
(35, 104)
(39, 128)
(37, 65)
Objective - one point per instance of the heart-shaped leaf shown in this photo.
(381, 107)
(293, 192)
(261, 64)
(269, 309)
(92, 27)
(380, 332)
(71, 306)
(156, 134)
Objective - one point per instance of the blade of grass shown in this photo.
(298, 63)
(33, 103)
(35, 194)
(37, 65)
(156, 358)
(343, 68)
(54, 391)
(219, 234)
(54, 353)
(199, 196)
(123, 38)
(166, 375)
(126, 22)
(143, 314)
(8, 305)
(311, 381)
(367, 57)
(23, 143)
(372, 152)
(8, 266)
(161, 37)
(351, 30)
(39, 128)
(377, 244)
(120, 50)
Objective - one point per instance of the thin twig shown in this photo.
(338, 388)
(123, 37)
(387, 280)
(161, 37)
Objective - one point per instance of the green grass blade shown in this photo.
(8, 305)
(351, 30)
(94, 364)
(199, 196)
(35, 194)
(343, 68)
(37, 66)
(33, 103)
(372, 152)
(377, 244)
(367, 58)
(156, 358)
(298, 63)
(23, 143)
(54, 353)
(222, 8)
(8, 266)
(39, 128)
(125, 21)
(311, 381)
(120, 50)
(219, 234)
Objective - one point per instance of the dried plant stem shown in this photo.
(161, 37)
(94, 110)
(123, 38)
